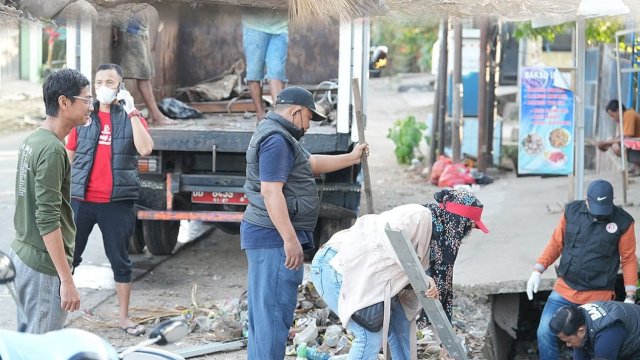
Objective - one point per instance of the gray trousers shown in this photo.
(40, 297)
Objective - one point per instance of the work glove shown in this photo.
(126, 100)
(533, 284)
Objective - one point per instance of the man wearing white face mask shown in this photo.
(104, 179)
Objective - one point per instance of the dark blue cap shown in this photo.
(600, 197)
(295, 95)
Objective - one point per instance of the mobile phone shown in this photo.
(120, 88)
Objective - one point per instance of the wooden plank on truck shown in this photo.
(225, 106)
(418, 279)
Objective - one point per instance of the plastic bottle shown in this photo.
(301, 352)
(314, 354)
(340, 357)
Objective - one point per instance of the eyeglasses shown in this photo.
(87, 100)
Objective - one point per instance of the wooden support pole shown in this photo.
(482, 96)
(364, 162)
(456, 108)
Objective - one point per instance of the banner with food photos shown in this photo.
(545, 143)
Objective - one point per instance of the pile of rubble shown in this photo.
(317, 332)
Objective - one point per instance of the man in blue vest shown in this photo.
(600, 330)
(104, 178)
(594, 238)
(281, 216)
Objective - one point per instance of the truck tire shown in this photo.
(325, 228)
(160, 236)
(136, 242)
(229, 227)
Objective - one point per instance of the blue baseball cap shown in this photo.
(295, 95)
(600, 197)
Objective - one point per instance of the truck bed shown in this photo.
(232, 132)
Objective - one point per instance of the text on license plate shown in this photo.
(235, 198)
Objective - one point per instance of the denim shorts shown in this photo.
(263, 50)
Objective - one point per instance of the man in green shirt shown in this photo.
(43, 219)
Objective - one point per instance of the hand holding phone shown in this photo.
(125, 98)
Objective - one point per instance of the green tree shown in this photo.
(409, 43)
(598, 30)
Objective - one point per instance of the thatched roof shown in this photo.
(309, 10)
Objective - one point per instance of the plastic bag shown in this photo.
(438, 167)
(332, 335)
(456, 174)
(176, 109)
(308, 335)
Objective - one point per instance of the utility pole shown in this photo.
(437, 127)
(442, 82)
(456, 111)
(581, 44)
(491, 91)
(482, 96)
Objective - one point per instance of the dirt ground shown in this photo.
(212, 271)
(20, 107)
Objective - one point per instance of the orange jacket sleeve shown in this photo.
(628, 258)
(553, 249)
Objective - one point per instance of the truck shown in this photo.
(196, 171)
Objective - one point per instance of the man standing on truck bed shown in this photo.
(134, 37)
(104, 179)
(265, 38)
(281, 216)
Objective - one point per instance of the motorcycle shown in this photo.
(76, 344)
(377, 60)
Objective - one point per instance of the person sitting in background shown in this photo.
(600, 330)
(631, 129)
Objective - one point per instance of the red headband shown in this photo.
(472, 212)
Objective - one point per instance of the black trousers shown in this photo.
(116, 221)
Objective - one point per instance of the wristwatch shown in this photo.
(135, 113)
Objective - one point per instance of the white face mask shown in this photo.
(105, 95)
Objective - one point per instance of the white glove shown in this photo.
(629, 300)
(533, 284)
(125, 97)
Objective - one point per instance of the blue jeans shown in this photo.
(260, 49)
(366, 344)
(271, 295)
(547, 341)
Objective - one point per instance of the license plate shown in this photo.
(234, 198)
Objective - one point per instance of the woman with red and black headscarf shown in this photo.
(357, 269)
(449, 228)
